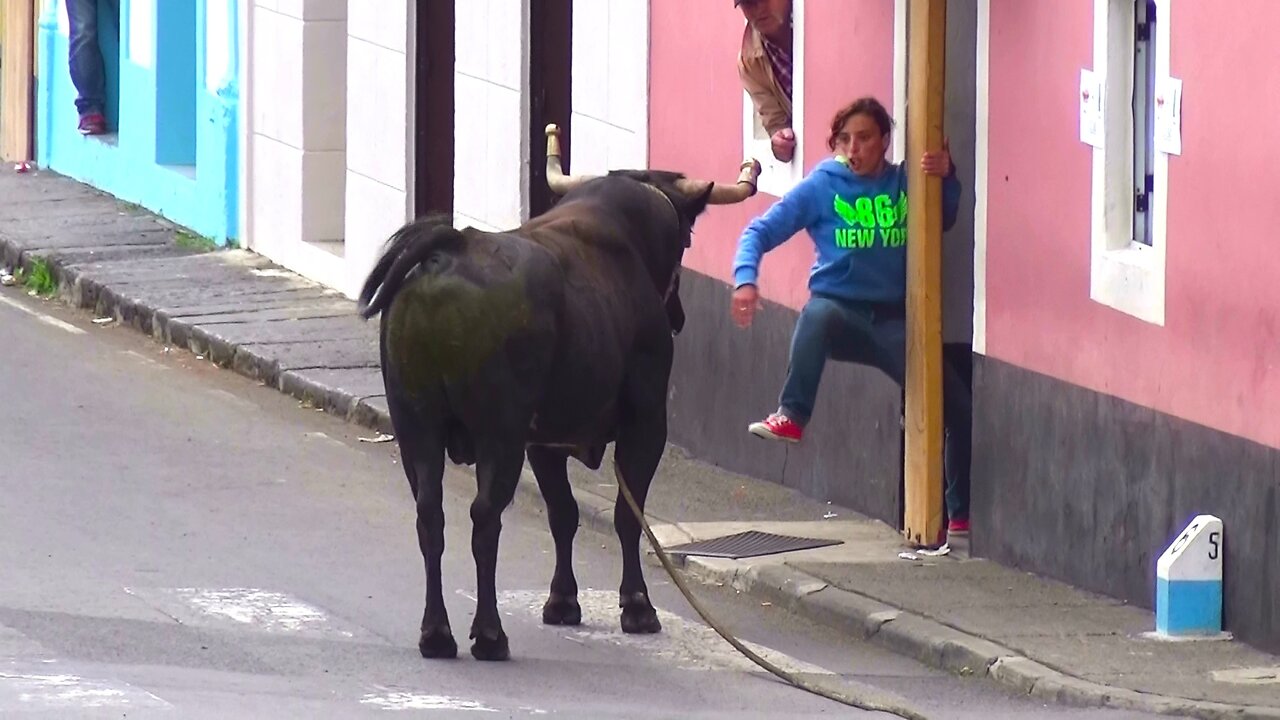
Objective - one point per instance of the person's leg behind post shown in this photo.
(957, 412)
(84, 57)
(891, 340)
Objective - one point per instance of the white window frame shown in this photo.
(777, 177)
(1126, 274)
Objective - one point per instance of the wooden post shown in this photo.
(16, 84)
(926, 83)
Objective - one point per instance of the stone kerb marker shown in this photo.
(1189, 583)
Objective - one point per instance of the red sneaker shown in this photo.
(776, 427)
(958, 525)
(93, 124)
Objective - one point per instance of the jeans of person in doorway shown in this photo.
(874, 334)
(84, 56)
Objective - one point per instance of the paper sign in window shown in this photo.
(1168, 116)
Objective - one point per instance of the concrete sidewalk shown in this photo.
(969, 616)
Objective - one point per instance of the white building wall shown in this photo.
(380, 121)
(610, 86)
(296, 135)
(490, 74)
(330, 155)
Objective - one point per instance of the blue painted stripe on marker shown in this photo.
(1188, 607)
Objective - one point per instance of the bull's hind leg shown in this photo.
(498, 466)
(422, 452)
(549, 466)
(642, 438)
(436, 640)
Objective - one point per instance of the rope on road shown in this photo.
(860, 701)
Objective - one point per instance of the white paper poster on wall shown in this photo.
(1168, 116)
(1090, 109)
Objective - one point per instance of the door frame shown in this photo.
(433, 111)
(550, 95)
(17, 106)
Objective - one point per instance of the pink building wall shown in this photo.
(695, 112)
(1216, 361)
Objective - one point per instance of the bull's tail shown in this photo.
(409, 246)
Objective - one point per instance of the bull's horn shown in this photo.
(556, 179)
(728, 194)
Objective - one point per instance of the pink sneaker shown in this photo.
(777, 427)
(958, 525)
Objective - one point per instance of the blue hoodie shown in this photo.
(858, 224)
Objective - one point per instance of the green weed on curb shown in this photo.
(38, 278)
(193, 241)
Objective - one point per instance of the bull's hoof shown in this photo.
(490, 647)
(561, 610)
(638, 615)
(437, 643)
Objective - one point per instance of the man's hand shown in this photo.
(938, 163)
(745, 302)
(784, 144)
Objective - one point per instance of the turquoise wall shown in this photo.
(174, 142)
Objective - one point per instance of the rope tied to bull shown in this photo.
(860, 701)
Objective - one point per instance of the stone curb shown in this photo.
(905, 633)
(83, 291)
(943, 647)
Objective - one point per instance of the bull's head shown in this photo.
(720, 194)
(686, 196)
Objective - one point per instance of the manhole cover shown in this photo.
(752, 543)
(1249, 676)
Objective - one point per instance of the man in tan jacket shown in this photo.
(764, 65)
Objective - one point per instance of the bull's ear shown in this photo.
(675, 313)
(675, 309)
(702, 191)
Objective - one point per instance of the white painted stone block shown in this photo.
(377, 113)
(324, 195)
(324, 74)
(374, 211)
(277, 179)
(384, 23)
(470, 21)
(1189, 581)
(471, 105)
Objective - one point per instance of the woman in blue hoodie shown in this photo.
(854, 207)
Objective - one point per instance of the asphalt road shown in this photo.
(179, 542)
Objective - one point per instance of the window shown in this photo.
(777, 177)
(1130, 177)
(1144, 83)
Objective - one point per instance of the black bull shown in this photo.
(550, 340)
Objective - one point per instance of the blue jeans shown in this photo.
(84, 55)
(874, 334)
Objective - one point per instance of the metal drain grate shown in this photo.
(752, 543)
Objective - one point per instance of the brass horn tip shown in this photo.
(750, 174)
(553, 144)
